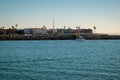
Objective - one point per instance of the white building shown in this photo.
(35, 31)
(27, 31)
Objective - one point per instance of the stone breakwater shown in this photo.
(55, 37)
(22, 37)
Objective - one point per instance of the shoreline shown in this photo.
(71, 37)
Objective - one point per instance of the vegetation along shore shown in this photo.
(51, 34)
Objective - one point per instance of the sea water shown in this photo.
(60, 60)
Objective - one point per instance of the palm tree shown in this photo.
(64, 27)
(44, 27)
(94, 28)
(16, 25)
(2, 30)
(13, 29)
(2, 27)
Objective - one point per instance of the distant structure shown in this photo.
(35, 31)
(53, 25)
(86, 31)
(78, 31)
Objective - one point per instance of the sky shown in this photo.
(104, 14)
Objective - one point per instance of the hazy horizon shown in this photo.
(104, 14)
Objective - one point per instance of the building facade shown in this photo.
(34, 31)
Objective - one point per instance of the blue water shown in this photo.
(60, 60)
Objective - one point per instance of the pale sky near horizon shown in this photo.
(104, 14)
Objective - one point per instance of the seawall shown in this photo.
(70, 37)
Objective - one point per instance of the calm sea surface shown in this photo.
(60, 60)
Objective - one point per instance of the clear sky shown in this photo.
(104, 14)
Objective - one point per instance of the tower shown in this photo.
(53, 23)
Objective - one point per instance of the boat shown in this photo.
(80, 38)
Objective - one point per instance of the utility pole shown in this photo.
(53, 25)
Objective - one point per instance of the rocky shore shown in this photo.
(53, 37)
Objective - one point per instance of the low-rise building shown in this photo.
(35, 31)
